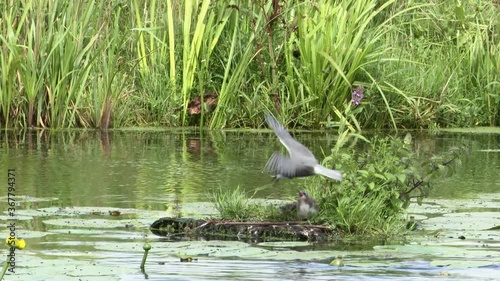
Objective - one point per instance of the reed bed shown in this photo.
(104, 64)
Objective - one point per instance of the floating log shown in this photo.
(233, 230)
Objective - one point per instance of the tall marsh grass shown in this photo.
(52, 60)
(104, 64)
(447, 72)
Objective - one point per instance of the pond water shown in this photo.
(67, 182)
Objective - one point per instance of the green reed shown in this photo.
(110, 64)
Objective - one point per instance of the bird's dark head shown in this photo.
(303, 195)
(306, 205)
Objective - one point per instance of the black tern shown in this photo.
(300, 163)
(306, 205)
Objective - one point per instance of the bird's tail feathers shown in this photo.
(333, 174)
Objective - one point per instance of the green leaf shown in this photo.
(401, 177)
(371, 185)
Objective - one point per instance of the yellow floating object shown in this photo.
(12, 241)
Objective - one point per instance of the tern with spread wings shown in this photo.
(300, 163)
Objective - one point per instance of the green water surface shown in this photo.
(68, 181)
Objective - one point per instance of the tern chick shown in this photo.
(306, 205)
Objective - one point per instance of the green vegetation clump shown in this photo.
(377, 187)
(102, 64)
(234, 205)
(237, 205)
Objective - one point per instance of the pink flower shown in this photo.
(357, 95)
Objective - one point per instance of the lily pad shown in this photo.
(40, 268)
(489, 197)
(17, 217)
(461, 204)
(427, 208)
(284, 244)
(463, 221)
(461, 263)
(95, 223)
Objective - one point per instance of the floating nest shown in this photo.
(231, 230)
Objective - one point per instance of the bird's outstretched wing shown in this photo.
(294, 147)
(283, 166)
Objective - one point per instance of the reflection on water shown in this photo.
(146, 169)
(158, 169)
(151, 169)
